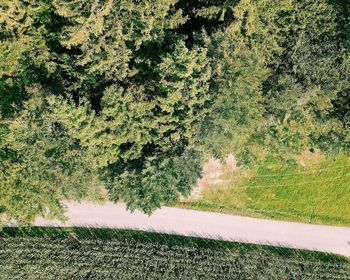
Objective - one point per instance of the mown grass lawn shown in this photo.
(53, 253)
(319, 192)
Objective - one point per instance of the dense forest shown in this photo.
(132, 95)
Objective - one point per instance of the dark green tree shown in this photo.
(117, 100)
(140, 127)
(42, 165)
(296, 57)
(127, 94)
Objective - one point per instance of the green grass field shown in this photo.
(53, 253)
(317, 193)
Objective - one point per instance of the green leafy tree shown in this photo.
(128, 94)
(24, 54)
(42, 165)
(141, 127)
(298, 72)
(118, 99)
(237, 88)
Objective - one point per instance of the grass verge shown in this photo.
(317, 193)
(88, 253)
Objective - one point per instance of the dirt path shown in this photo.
(211, 225)
(213, 170)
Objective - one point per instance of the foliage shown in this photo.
(139, 142)
(24, 54)
(130, 95)
(42, 166)
(297, 58)
(112, 111)
(110, 254)
(238, 74)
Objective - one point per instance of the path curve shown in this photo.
(210, 225)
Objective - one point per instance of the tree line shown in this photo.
(131, 95)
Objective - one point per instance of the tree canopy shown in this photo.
(130, 96)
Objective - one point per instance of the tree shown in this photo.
(108, 109)
(42, 165)
(24, 54)
(130, 94)
(24, 60)
(237, 90)
(297, 71)
(140, 127)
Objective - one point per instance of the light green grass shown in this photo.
(318, 193)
